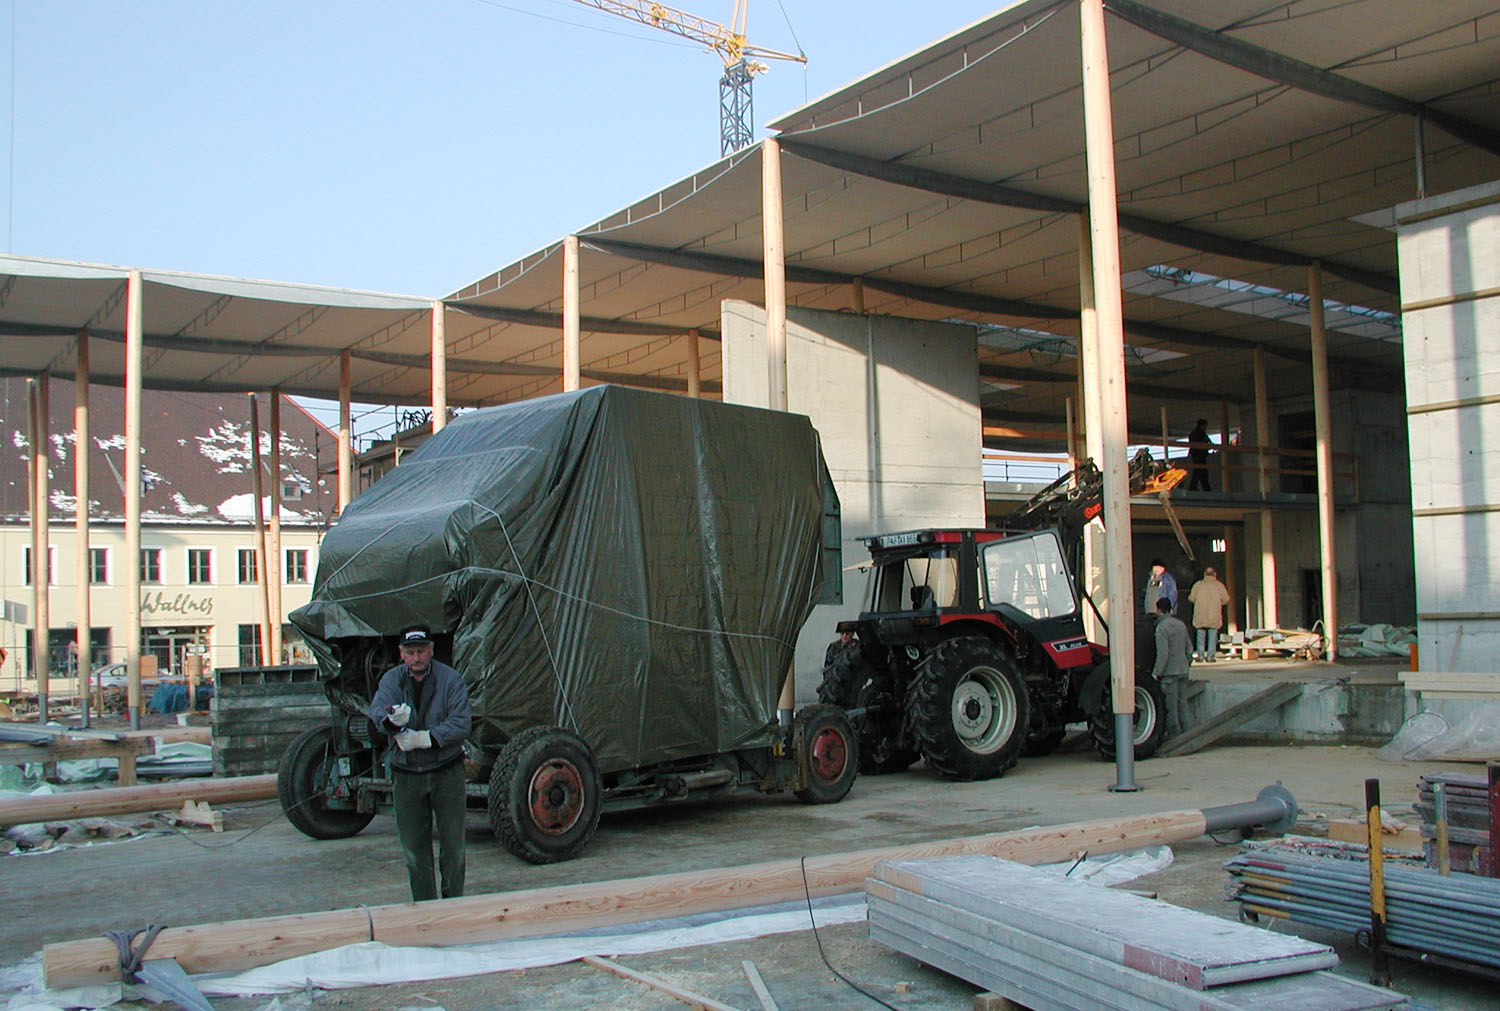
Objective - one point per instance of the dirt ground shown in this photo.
(262, 866)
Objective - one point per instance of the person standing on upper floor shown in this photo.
(1198, 447)
(1208, 597)
(1158, 585)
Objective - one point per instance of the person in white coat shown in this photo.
(1208, 597)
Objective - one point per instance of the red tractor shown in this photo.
(972, 649)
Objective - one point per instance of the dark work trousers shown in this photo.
(423, 798)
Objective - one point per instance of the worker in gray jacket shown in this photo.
(424, 706)
(1174, 656)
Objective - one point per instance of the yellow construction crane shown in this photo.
(741, 60)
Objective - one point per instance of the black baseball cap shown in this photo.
(415, 635)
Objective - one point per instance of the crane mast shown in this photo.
(741, 59)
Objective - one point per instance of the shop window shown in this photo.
(249, 645)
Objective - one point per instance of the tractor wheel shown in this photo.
(849, 682)
(1150, 720)
(970, 709)
(545, 795)
(302, 781)
(826, 752)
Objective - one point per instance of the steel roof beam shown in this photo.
(554, 320)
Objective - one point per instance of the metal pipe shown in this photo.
(1274, 809)
(1440, 819)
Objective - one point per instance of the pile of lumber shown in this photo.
(256, 711)
(1047, 942)
(1468, 803)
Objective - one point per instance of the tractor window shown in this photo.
(918, 583)
(1029, 574)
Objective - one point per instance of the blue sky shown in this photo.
(397, 146)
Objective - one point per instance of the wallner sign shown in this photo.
(157, 602)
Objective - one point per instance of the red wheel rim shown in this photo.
(556, 796)
(828, 755)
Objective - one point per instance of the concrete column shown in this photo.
(134, 344)
(275, 571)
(571, 326)
(81, 518)
(695, 366)
(1323, 426)
(439, 368)
(857, 295)
(346, 443)
(1263, 463)
(775, 271)
(1109, 373)
(41, 569)
(262, 578)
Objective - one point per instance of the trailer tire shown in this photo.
(545, 795)
(301, 782)
(970, 709)
(1150, 719)
(849, 682)
(826, 752)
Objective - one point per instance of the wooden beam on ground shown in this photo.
(127, 800)
(657, 983)
(244, 944)
(1231, 719)
(762, 994)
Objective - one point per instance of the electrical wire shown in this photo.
(807, 895)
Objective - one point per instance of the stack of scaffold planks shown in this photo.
(1472, 801)
(1049, 942)
(258, 710)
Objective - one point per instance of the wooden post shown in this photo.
(134, 343)
(1093, 425)
(775, 273)
(1166, 436)
(1223, 445)
(1263, 463)
(857, 295)
(274, 568)
(1072, 445)
(1323, 426)
(261, 576)
(41, 569)
(571, 312)
(81, 522)
(1231, 552)
(346, 443)
(695, 366)
(1110, 373)
(439, 367)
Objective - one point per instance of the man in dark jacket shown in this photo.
(1198, 446)
(424, 705)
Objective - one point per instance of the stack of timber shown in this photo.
(1456, 916)
(257, 711)
(1047, 942)
(1470, 809)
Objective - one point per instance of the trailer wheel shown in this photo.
(849, 682)
(545, 795)
(826, 752)
(302, 780)
(970, 709)
(1150, 719)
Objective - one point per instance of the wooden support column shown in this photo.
(1223, 445)
(1108, 372)
(346, 439)
(274, 567)
(775, 273)
(41, 569)
(1323, 426)
(1263, 463)
(134, 344)
(1072, 435)
(857, 295)
(695, 365)
(81, 521)
(1231, 584)
(1093, 426)
(439, 367)
(1166, 435)
(571, 315)
(261, 576)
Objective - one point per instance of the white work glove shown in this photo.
(399, 715)
(413, 740)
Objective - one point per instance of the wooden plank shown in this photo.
(65, 750)
(1181, 945)
(657, 983)
(533, 912)
(1236, 716)
(762, 994)
(1354, 830)
(125, 800)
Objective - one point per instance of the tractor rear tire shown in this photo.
(826, 752)
(849, 682)
(1150, 720)
(970, 709)
(545, 795)
(302, 782)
